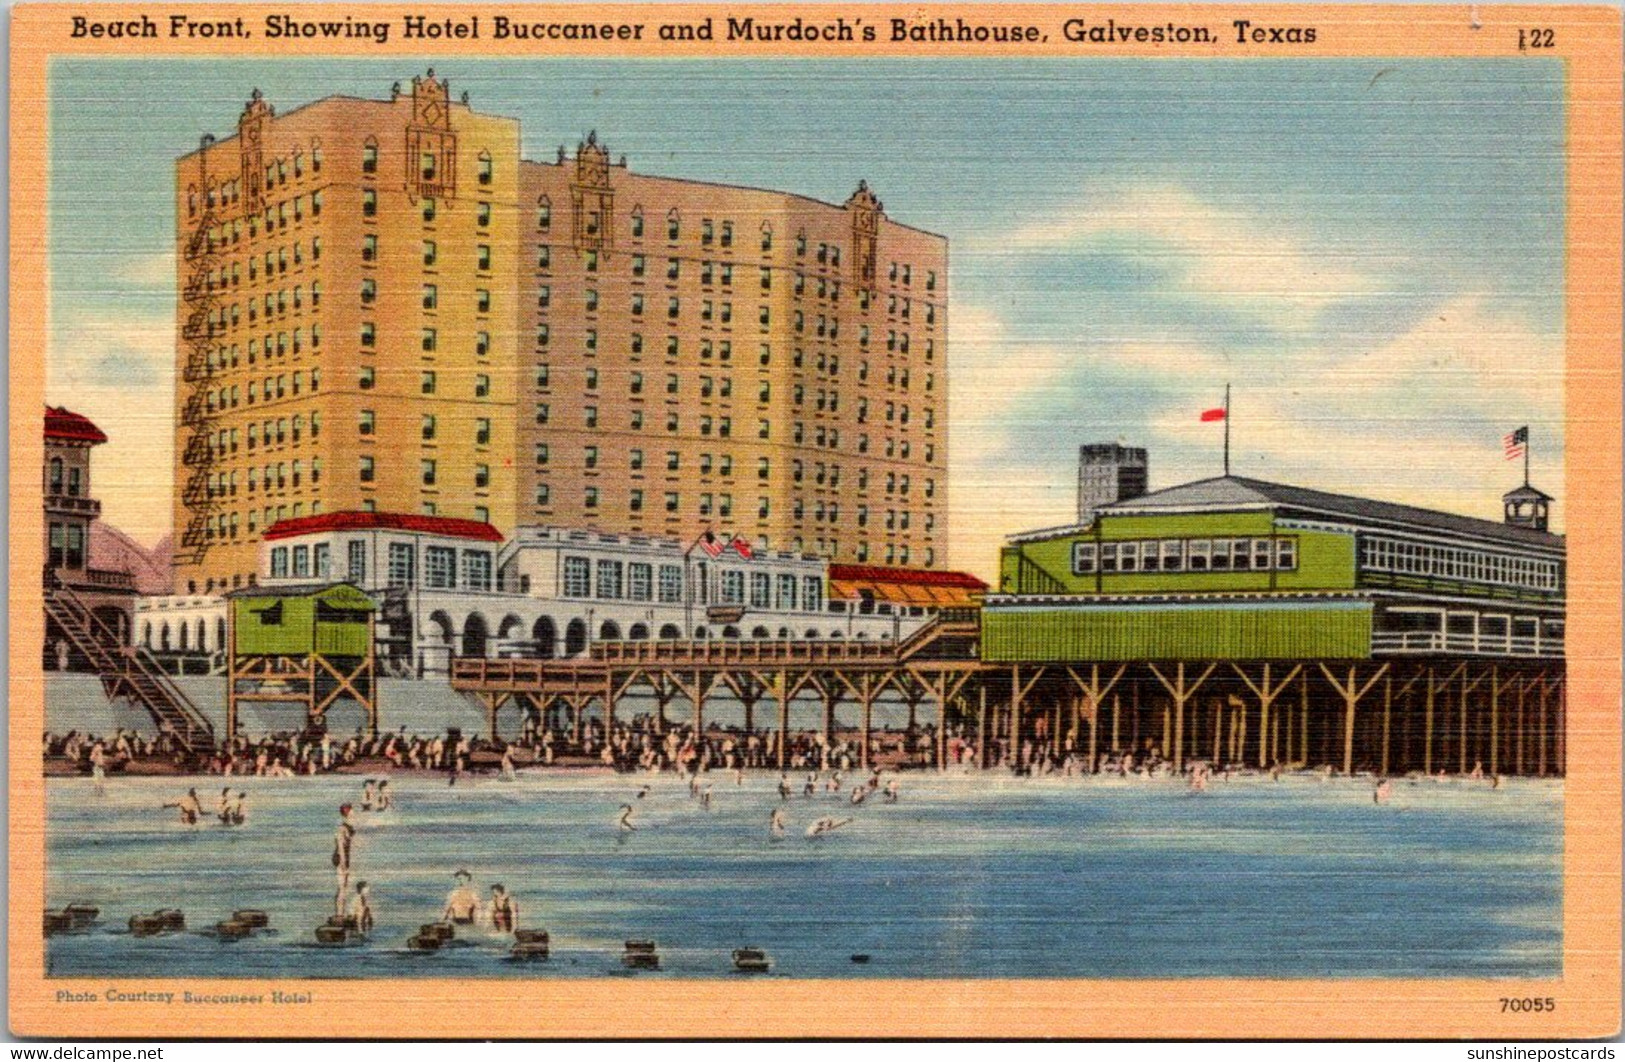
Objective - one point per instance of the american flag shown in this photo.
(712, 546)
(1515, 443)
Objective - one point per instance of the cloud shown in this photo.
(1185, 243)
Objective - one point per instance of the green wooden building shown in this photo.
(1233, 568)
(306, 644)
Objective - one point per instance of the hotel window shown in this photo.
(369, 252)
(590, 260)
(484, 169)
(637, 224)
(482, 215)
(544, 257)
(356, 570)
(590, 457)
(760, 590)
(673, 228)
(301, 562)
(369, 334)
(1219, 559)
(366, 378)
(429, 253)
(541, 453)
(542, 412)
(440, 567)
(482, 431)
(706, 233)
(279, 558)
(637, 304)
(482, 385)
(367, 469)
(428, 471)
(674, 501)
(369, 203)
(431, 295)
(428, 210)
(590, 416)
(577, 576)
(1197, 552)
(400, 564)
(1173, 555)
(482, 476)
(634, 501)
(639, 579)
(1083, 556)
(671, 584)
(1286, 554)
(369, 291)
(482, 344)
(476, 569)
(367, 423)
(733, 587)
(785, 598)
(427, 383)
(544, 214)
(482, 257)
(430, 340)
(542, 493)
(635, 460)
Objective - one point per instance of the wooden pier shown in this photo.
(1389, 717)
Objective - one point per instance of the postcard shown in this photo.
(815, 521)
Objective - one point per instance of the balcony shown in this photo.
(95, 579)
(73, 505)
(1401, 643)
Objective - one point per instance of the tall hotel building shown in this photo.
(383, 307)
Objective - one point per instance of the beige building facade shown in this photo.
(383, 308)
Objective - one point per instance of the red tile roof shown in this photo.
(912, 576)
(359, 521)
(64, 424)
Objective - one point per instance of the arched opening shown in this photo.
(510, 627)
(812, 633)
(669, 632)
(476, 635)
(185, 632)
(146, 634)
(730, 632)
(700, 634)
(220, 636)
(546, 636)
(163, 638)
(202, 636)
(866, 602)
(760, 632)
(609, 631)
(575, 638)
(784, 633)
(836, 636)
(444, 629)
(639, 632)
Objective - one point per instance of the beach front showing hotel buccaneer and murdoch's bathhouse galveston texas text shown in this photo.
(558, 586)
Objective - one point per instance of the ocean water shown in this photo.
(965, 877)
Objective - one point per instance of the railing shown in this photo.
(95, 579)
(74, 504)
(1473, 644)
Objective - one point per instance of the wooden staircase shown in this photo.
(130, 672)
(950, 632)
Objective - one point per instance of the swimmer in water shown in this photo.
(643, 793)
(504, 910)
(369, 793)
(859, 793)
(361, 908)
(624, 822)
(1380, 794)
(189, 806)
(462, 901)
(236, 815)
(784, 787)
(705, 798)
(891, 791)
(508, 773)
(222, 808)
(812, 784)
(775, 824)
(385, 801)
(825, 825)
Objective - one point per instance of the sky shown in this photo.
(1369, 251)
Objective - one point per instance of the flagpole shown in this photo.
(1526, 457)
(1227, 429)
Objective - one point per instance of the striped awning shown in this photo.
(904, 586)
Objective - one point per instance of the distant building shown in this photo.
(1108, 473)
(87, 604)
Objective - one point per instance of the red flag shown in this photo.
(1212, 415)
(741, 547)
